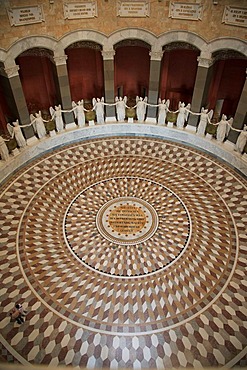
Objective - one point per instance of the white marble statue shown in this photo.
(15, 131)
(183, 114)
(78, 110)
(120, 107)
(98, 106)
(141, 107)
(242, 140)
(57, 115)
(223, 128)
(38, 124)
(163, 109)
(205, 118)
(4, 151)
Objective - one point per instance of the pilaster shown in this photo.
(63, 81)
(108, 62)
(154, 80)
(12, 74)
(240, 115)
(200, 92)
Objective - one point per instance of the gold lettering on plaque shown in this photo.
(127, 219)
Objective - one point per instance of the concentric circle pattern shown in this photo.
(130, 248)
(126, 253)
(127, 220)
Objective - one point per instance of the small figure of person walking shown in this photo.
(17, 313)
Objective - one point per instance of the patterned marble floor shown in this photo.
(126, 252)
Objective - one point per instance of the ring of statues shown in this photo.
(96, 115)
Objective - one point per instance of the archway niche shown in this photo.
(228, 78)
(8, 110)
(178, 72)
(39, 79)
(132, 68)
(85, 70)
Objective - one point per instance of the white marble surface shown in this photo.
(222, 151)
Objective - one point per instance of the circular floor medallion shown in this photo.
(134, 235)
(127, 220)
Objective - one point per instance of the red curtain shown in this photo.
(132, 65)
(36, 74)
(85, 71)
(178, 74)
(227, 82)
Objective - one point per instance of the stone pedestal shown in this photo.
(190, 128)
(70, 126)
(151, 120)
(111, 119)
(32, 140)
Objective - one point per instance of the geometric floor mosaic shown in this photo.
(126, 252)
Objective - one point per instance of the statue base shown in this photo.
(91, 123)
(52, 133)
(209, 136)
(130, 120)
(110, 119)
(190, 128)
(169, 124)
(32, 140)
(229, 145)
(15, 152)
(151, 120)
(244, 156)
(70, 126)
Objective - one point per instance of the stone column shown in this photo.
(20, 101)
(63, 81)
(108, 61)
(240, 115)
(200, 93)
(154, 82)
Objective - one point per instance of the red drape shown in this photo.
(178, 74)
(227, 82)
(132, 64)
(36, 74)
(85, 71)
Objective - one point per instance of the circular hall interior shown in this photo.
(123, 193)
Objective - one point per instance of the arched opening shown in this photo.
(85, 70)
(178, 72)
(8, 110)
(132, 65)
(228, 78)
(39, 79)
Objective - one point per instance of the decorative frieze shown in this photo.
(132, 42)
(85, 44)
(175, 45)
(235, 16)
(39, 52)
(225, 54)
(25, 15)
(135, 9)
(84, 9)
(191, 11)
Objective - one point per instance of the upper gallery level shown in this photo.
(208, 19)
